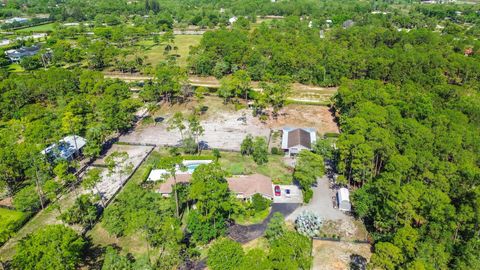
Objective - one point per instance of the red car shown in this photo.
(277, 191)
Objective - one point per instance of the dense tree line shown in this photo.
(414, 153)
(289, 47)
(39, 108)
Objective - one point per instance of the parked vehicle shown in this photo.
(277, 191)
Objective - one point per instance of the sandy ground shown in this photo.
(318, 117)
(321, 203)
(329, 255)
(223, 130)
(112, 182)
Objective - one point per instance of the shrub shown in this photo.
(275, 151)
(83, 212)
(259, 203)
(308, 224)
(307, 195)
(27, 200)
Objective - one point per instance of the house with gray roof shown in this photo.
(16, 55)
(295, 140)
(67, 148)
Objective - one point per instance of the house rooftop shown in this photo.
(66, 147)
(246, 185)
(298, 136)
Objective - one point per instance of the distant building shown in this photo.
(295, 140)
(16, 20)
(343, 197)
(232, 20)
(347, 24)
(67, 148)
(16, 55)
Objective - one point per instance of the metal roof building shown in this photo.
(66, 148)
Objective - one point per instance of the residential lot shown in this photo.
(332, 255)
(321, 203)
(223, 126)
(112, 182)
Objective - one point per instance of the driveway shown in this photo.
(244, 234)
(321, 203)
(295, 195)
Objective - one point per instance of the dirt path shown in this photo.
(213, 82)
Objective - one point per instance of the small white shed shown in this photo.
(343, 197)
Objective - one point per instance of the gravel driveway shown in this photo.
(321, 203)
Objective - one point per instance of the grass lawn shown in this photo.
(9, 221)
(38, 28)
(182, 42)
(15, 68)
(236, 164)
(255, 219)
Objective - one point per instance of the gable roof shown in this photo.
(249, 185)
(299, 137)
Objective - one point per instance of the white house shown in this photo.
(295, 140)
(343, 197)
(67, 148)
(232, 19)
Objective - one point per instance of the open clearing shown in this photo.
(155, 53)
(224, 130)
(332, 255)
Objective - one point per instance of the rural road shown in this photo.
(213, 82)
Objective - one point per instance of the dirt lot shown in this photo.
(318, 117)
(330, 255)
(110, 183)
(224, 130)
(221, 124)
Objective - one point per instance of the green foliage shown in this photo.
(213, 205)
(309, 166)
(26, 200)
(225, 254)
(260, 151)
(113, 260)
(10, 221)
(246, 148)
(276, 227)
(83, 212)
(259, 203)
(133, 209)
(52, 247)
(408, 148)
(275, 151)
(291, 251)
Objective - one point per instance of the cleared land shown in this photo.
(223, 126)
(223, 129)
(331, 255)
(155, 53)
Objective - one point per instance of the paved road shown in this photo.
(321, 203)
(244, 234)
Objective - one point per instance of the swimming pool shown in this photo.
(193, 164)
(192, 167)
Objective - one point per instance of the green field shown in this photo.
(38, 28)
(10, 220)
(15, 68)
(182, 42)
